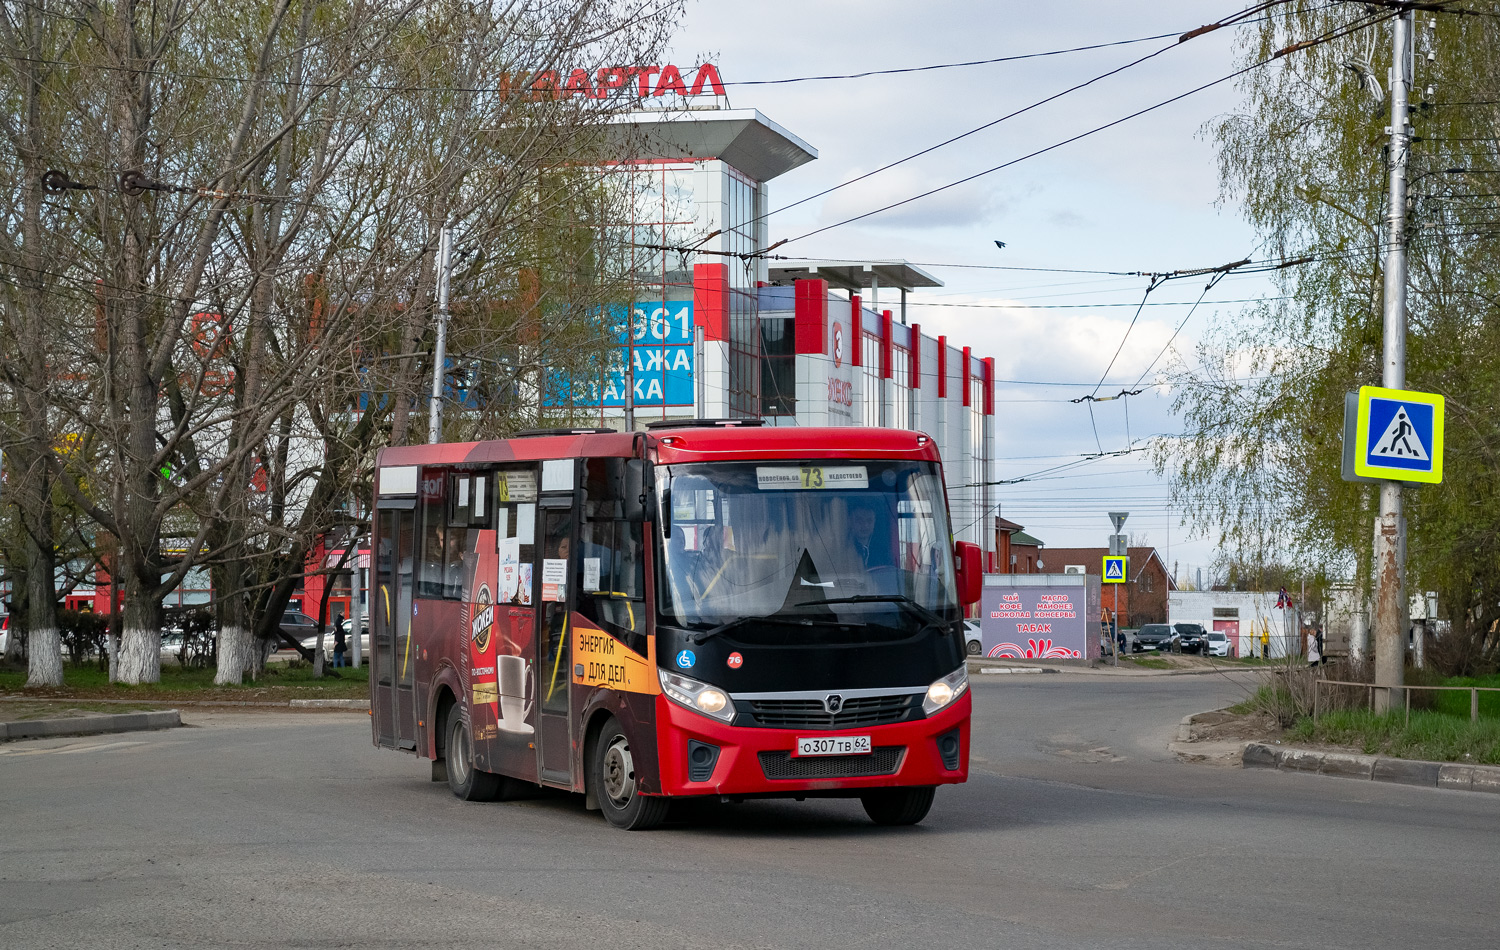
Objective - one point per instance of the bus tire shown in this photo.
(612, 777)
(898, 806)
(467, 782)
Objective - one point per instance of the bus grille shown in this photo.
(885, 760)
(809, 713)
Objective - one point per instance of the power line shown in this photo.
(1359, 24)
(1088, 306)
(972, 62)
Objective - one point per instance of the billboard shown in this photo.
(1034, 622)
(660, 350)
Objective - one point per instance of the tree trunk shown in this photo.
(140, 644)
(236, 641)
(44, 643)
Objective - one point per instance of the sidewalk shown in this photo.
(980, 665)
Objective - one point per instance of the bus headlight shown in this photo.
(699, 697)
(946, 690)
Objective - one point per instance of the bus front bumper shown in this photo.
(754, 761)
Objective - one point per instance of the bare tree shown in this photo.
(242, 295)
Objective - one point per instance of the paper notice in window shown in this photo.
(510, 571)
(590, 573)
(554, 579)
(525, 523)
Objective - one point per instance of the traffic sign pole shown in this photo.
(1390, 531)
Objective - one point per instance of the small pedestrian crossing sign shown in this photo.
(1399, 435)
(1114, 570)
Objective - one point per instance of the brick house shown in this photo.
(1017, 552)
(1142, 599)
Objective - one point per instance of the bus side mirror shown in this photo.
(969, 569)
(633, 491)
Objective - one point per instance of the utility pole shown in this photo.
(1390, 529)
(440, 349)
(1117, 548)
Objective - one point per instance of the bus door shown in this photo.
(555, 549)
(391, 603)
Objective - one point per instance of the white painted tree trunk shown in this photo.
(140, 656)
(236, 653)
(45, 660)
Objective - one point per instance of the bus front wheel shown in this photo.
(466, 781)
(897, 806)
(612, 775)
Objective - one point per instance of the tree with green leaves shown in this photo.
(1306, 160)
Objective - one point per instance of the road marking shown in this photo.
(73, 749)
(98, 748)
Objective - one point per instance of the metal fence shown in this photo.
(1370, 688)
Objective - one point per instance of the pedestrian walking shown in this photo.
(338, 645)
(1265, 642)
(1315, 649)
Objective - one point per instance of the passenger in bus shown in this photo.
(862, 531)
(555, 674)
(453, 563)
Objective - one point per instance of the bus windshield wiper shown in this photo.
(704, 636)
(932, 618)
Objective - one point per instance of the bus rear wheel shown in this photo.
(898, 806)
(612, 775)
(466, 781)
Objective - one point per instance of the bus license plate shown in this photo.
(833, 745)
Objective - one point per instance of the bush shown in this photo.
(82, 633)
(199, 635)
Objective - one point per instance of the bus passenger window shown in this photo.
(430, 579)
(611, 580)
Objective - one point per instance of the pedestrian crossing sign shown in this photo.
(1114, 570)
(1399, 435)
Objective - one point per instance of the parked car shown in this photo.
(1191, 637)
(1217, 643)
(311, 643)
(974, 643)
(4, 633)
(1158, 636)
(171, 645)
(297, 624)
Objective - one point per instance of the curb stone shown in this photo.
(90, 725)
(1474, 778)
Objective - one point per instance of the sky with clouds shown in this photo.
(1141, 196)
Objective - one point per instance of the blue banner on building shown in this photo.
(660, 350)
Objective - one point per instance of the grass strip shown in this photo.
(279, 683)
(1433, 736)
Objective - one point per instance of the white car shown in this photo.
(1218, 644)
(974, 644)
(311, 643)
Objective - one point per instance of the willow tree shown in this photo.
(1306, 161)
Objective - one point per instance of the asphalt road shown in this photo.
(1077, 829)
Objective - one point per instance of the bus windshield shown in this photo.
(849, 542)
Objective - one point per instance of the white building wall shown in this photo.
(1253, 609)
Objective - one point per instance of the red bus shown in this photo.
(707, 609)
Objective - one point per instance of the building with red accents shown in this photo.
(720, 331)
